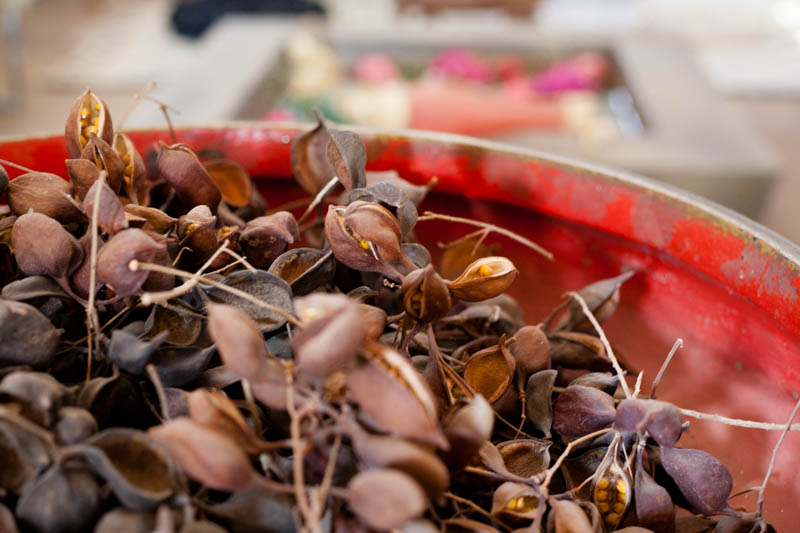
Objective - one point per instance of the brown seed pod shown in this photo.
(182, 169)
(352, 249)
(155, 219)
(214, 409)
(197, 229)
(348, 158)
(654, 507)
(467, 431)
(514, 503)
(82, 174)
(304, 269)
(232, 180)
(661, 420)
(539, 400)
(374, 226)
(43, 247)
(525, 457)
(105, 158)
(385, 499)
(425, 295)
(531, 350)
(88, 115)
(26, 335)
(111, 215)
(134, 172)
(568, 517)
(612, 487)
(702, 479)
(483, 279)
(114, 259)
(581, 410)
(489, 372)
(44, 193)
(310, 164)
(265, 238)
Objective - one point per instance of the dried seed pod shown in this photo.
(374, 320)
(44, 193)
(467, 431)
(581, 410)
(661, 420)
(130, 353)
(133, 464)
(701, 478)
(263, 239)
(654, 507)
(374, 226)
(232, 180)
(568, 517)
(578, 350)
(263, 286)
(531, 350)
(114, 259)
(82, 174)
(103, 156)
(389, 452)
(74, 425)
(155, 219)
(489, 371)
(43, 247)
(612, 487)
(392, 198)
(32, 287)
(539, 400)
(425, 295)
(181, 329)
(348, 158)
(388, 384)
(182, 169)
(332, 336)
(483, 279)
(310, 164)
(385, 499)
(525, 457)
(514, 503)
(3, 180)
(88, 115)
(197, 229)
(79, 281)
(26, 336)
(604, 381)
(121, 519)
(206, 455)
(304, 269)
(215, 410)
(255, 510)
(111, 215)
(7, 522)
(601, 297)
(415, 193)
(40, 394)
(134, 172)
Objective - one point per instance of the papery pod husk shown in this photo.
(133, 464)
(121, 520)
(31, 288)
(576, 469)
(180, 365)
(25, 450)
(214, 409)
(578, 350)
(387, 384)
(525, 457)
(374, 227)
(417, 254)
(39, 394)
(157, 220)
(45, 193)
(531, 350)
(74, 425)
(82, 174)
(467, 431)
(114, 258)
(105, 158)
(113, 398)
(181, 329)
(181, 168)
(425, 295)
(262, 285)
(612, 488)
(80, 279)
(416, 461)
(43, 247)
(94, 108)
(539, 400)
(653, 505)
(332, 334)
(484, 279)
(111, 215)
(374, 321)
(601, 298)
(390, 197)
(7, 522)
(254, 511)
(304, 269)
(567, 517)
(63, 499)
(311, 166)
(415, 193)
(206, 455)
(26, 335)
(385, 499)
(265, 238)
(605, 381)
(134, 172)
(348, 158)
(490, 372)
(702, 479)
(581, 410)
(232, 181)
(515, 503)
(130, 353)
(661, 420)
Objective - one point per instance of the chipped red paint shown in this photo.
(725, 284)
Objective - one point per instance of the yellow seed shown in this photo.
(84, 114)
(224, 231)
(619, 507)
(96, 121)
(364, 243)
(83, 140)
(92, 129)
(83, 122)
(603, 483)
(612, 518)
(622, 488)
(126, 159)
(191, 227)
(127, 179)
(99, 164)
(97, 107)
(129, 170)
(484, 270)
(602, 495)
(603, 508)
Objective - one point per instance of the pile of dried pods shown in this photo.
(173, 358)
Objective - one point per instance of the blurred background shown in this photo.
(700, 94)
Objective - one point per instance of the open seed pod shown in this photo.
(425, 295)
(134, 172)
(26, 335)
(489, 372)
(525, 457)
(483, 279)
(263, 286)
(180, 328)
(310, 164)
(514, 503)
(392, 198)
(40, 394)
(215, 410)
(384, 498)
(304, 269)
(182, 169)
(232, 180)
(133, 464)
(612, 487)
(601, 298)
(197, 229)
(581, 410)
(44, 193)
(255, 510)
(263, 239)
(88, 115)
(467, 431)
(103, 156)
(25, 450)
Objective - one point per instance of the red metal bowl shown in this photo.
(726, 285)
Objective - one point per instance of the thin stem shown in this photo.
(165, 109)
(152, 373)
(149, 86)
(456, 242)
(553, 469)
(330, 468)
(152, 267)
(319, 198)
(678, 344)
(750, 424)
(429, 215)
(478, 509)
(637, 388)
(240, 259)
(91, 310)
(297, 450)
(291, 204)
(150, 298)
(607, 345)
(19, 167)
(252, 407)
(763, 487)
